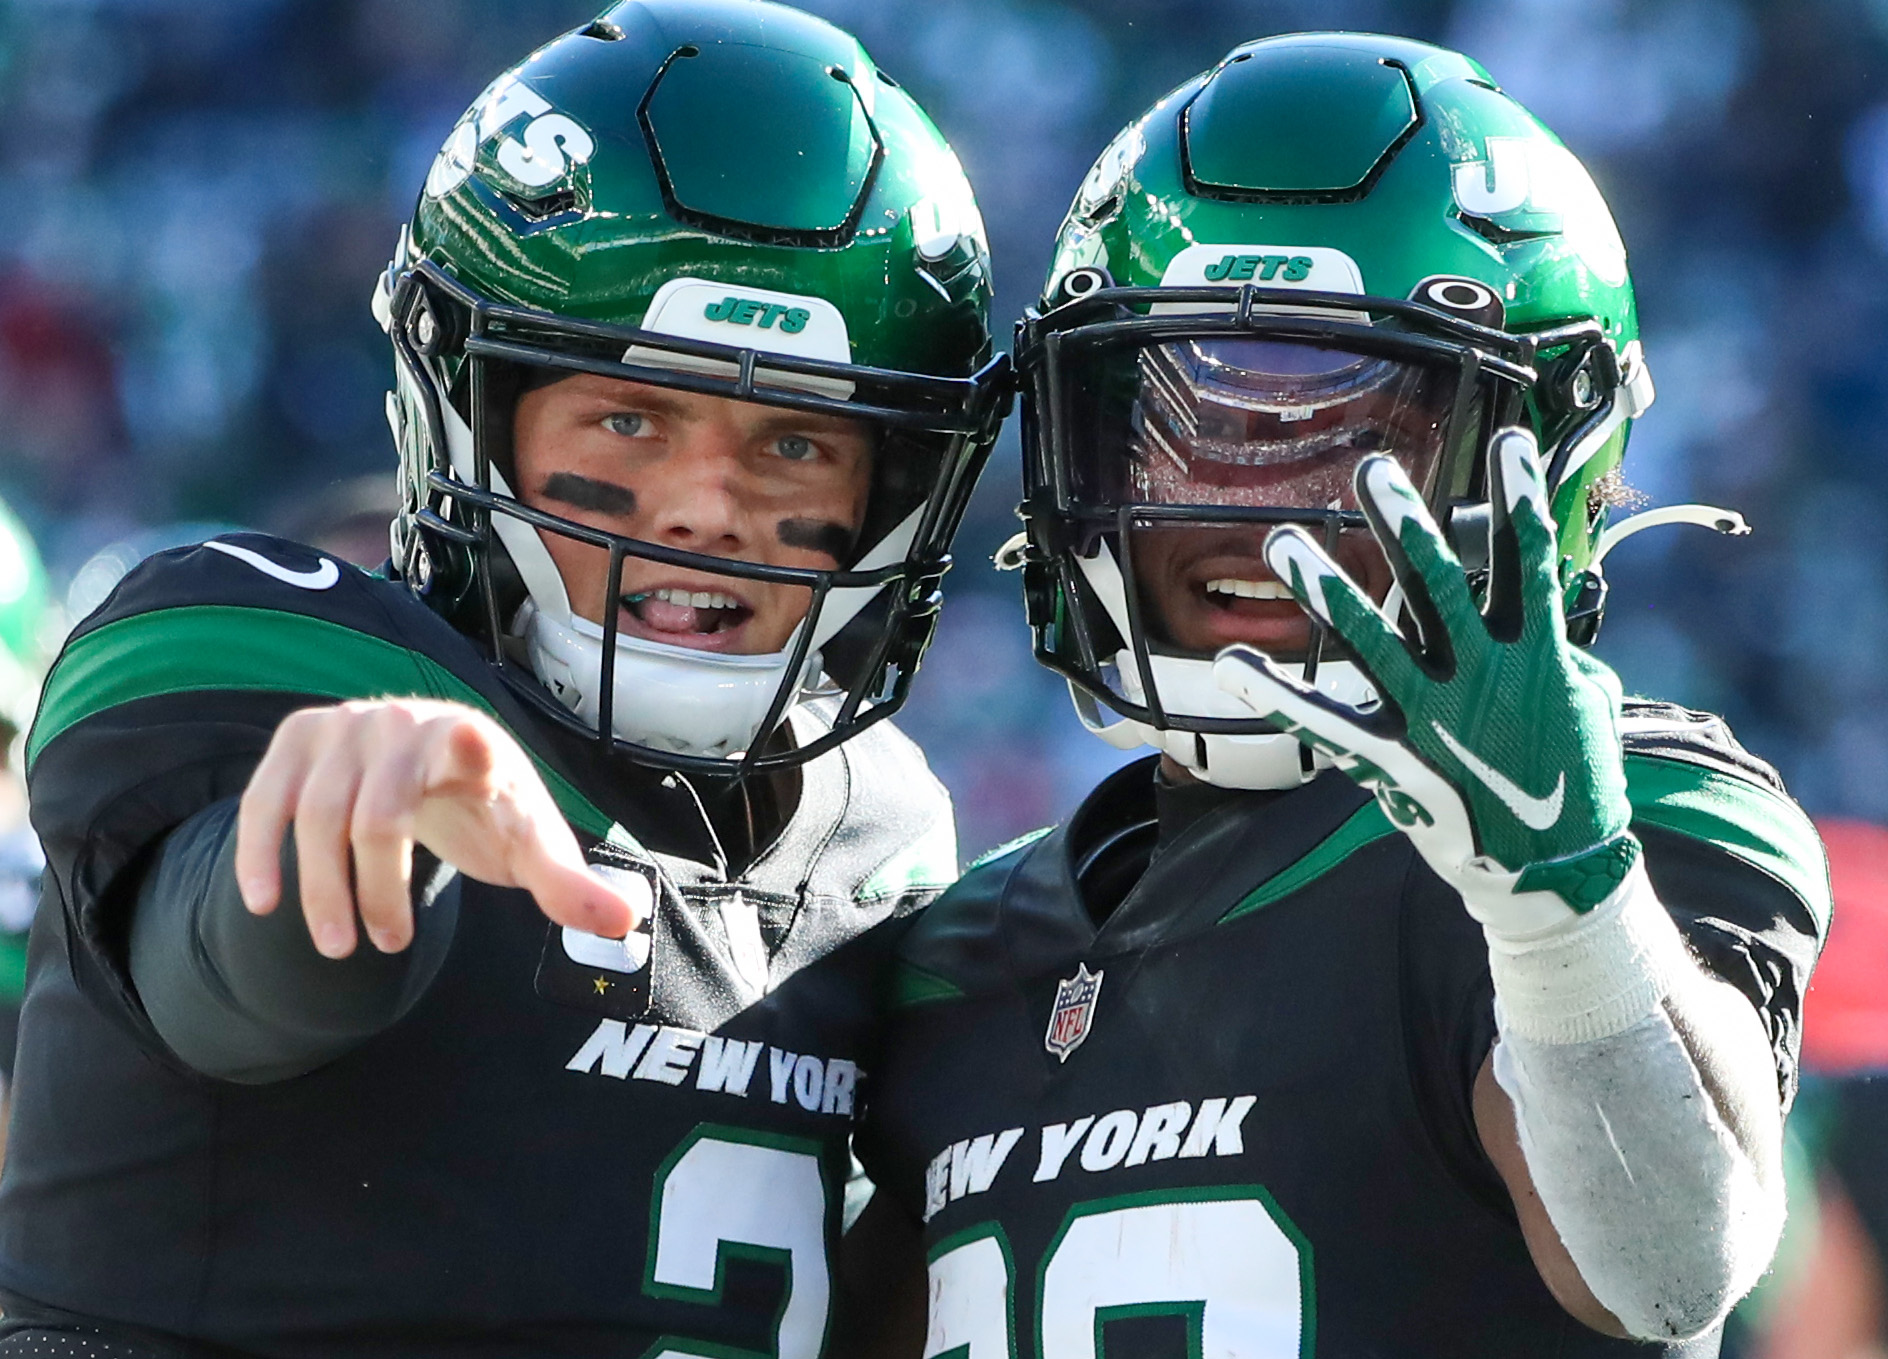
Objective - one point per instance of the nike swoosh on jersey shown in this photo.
(323, 577)
(1536, 813)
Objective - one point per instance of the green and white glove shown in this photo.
(1496, 749)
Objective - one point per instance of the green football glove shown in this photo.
(1497, 747)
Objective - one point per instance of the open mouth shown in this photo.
(1230, 592)
(1225, 598)
(687, 617)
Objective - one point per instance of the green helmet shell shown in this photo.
(721, 196)
(722, 139)
(1406, 158)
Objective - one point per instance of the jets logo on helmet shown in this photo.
(543, 152)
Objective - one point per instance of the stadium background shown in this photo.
(195, 196)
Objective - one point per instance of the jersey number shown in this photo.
(1226, 1262)
(728, 1192)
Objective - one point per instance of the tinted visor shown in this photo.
(1249, 422)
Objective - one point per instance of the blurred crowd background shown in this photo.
(196, 195)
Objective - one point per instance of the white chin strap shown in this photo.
(668, 698)
(1187, 689)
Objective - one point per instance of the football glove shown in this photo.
(1496, 745)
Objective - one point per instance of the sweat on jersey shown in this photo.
(561, 1149)
(1236, 1118)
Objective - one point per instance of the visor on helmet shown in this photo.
(1166, 449)
(1253, 423)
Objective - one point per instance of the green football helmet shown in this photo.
(1328, 245)
(723, 197)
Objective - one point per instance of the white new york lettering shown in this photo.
(668, 1057)
(974, 1164)
(780, 1068)
(1107, 1142)
(1058, 1140)
(841, 1076)
(937, 1184)
(727, 1064)
(1159, 1137)
(809, 1082)
(615, 1046)
(1217, 1128)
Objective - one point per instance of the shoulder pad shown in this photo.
(1687, 775)
(956, 943)
(253, 614)
(896, 834)
(1671, 732)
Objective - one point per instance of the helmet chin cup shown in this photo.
(1186, 689)
(669, 698)
(1265, 759)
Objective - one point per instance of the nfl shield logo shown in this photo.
(1073, 1013)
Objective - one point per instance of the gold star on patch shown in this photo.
(602, 984)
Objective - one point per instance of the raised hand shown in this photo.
(1496, 749)
(363, 782)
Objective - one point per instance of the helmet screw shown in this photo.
(426, 331)
(1583, 389)
(423, 570)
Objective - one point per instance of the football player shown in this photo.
(1417, 997)
(693, 378)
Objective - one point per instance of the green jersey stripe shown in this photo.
(1751, 823)
(215, 646)
(1770, 833)
(1364, 826)
(913, 985)
(1023, 841)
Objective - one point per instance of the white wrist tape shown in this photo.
(1668, 1217)
(1595, 975)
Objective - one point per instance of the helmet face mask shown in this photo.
(1186, 389)
(1176, 441)
(884, 329)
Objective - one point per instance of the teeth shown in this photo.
(1249, 589)
(694, 599)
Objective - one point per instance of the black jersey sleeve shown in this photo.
(247, 998)
(163, 701)
(1734, 859)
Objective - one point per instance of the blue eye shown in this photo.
(796, 448)
(628, 424)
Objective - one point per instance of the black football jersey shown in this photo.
(569, 1146)
(1235, 1119)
